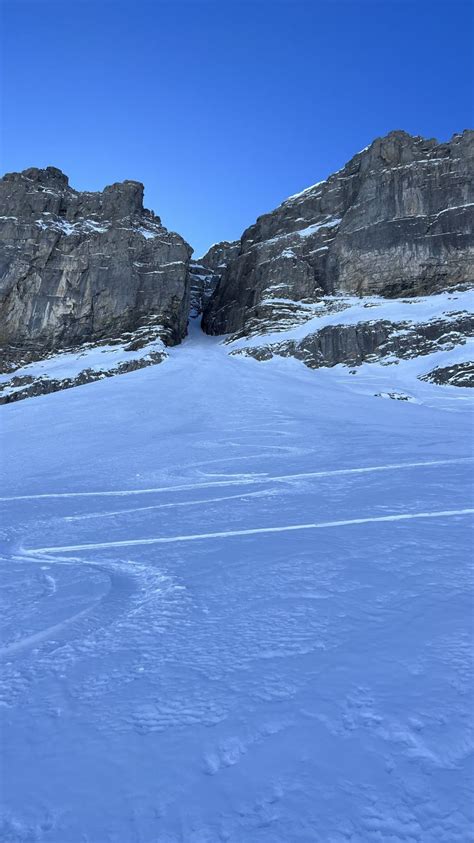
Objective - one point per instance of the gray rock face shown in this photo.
(78, 266)
(203, 283)
(219, 256)
(397, 220)
(207, 271)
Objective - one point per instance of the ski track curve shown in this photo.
(241, 482)
(101, 613)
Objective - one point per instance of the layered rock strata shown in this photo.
(397, 220)
(77, 267)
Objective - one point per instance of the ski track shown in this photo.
(241, 482)
(447, 513)
(109, 514)
(273, 689)
(123, 584)
(45, 634)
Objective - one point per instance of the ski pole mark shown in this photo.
(446, 513)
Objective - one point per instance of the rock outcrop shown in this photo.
(397, 220)
(459, 374)
(77, 267)
(82, 364)
(370, 341)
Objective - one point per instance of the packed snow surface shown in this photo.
(237, 607)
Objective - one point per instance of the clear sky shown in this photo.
(224, 108)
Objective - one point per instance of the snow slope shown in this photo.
(64, 369)
(236, 606)
(351, 310)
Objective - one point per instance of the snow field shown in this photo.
(249, 685)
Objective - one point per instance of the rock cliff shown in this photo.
(77, 267)
(397, 220)
(207, 271)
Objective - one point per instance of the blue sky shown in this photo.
(224, 108)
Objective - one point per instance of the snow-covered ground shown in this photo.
(98, 359)
(237, 606)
